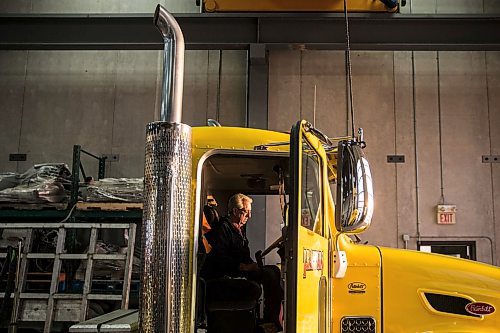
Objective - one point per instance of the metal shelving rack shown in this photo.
(28, 306)
(75, 214)
(78, 168)
(46, 307)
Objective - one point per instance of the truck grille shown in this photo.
(358, 325)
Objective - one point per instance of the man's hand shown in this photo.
(253, 267)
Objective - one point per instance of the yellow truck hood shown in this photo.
(425, 292)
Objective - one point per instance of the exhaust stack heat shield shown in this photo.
(166, 283)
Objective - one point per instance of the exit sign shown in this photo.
(446, 214)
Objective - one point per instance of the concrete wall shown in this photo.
(95, 6)
(451, 6)
(439, 109)
(102, 100)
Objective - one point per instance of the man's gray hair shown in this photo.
(236, 201)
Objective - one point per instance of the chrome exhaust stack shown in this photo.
(173, 65)
(165, 298)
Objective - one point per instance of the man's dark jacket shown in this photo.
(229, 250)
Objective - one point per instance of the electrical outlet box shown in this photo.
(395, 158)
(17, 157)
(111, 157)
(491, 158)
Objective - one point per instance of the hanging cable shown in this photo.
(415, 146)
(441, 200)
(219, 79)
(349, 68)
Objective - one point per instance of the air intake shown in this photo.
(449, 304)
(357, 325)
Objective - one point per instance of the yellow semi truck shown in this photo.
(322, 189)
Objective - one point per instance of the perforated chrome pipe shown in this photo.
(165, 298)
(166, 283)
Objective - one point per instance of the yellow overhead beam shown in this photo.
(298, 5)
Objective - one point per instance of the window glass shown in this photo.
(458, 249)
(311, 190)
(332, 174)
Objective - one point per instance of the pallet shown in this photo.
(34, 206)
(109, 206)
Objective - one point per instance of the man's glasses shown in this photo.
(245, 212)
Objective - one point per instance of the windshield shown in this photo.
(311, 194)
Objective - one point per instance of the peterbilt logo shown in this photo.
(356, 288)
(479, 308)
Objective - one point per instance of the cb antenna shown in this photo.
(349, 68)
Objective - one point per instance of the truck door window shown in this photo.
(311, 190)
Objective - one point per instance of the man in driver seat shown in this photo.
(230, 256)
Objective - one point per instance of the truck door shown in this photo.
(307, 272)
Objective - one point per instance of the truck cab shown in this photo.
(296, 178)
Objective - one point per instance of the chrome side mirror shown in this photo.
(354, 207)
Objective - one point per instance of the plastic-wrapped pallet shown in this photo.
(42, 183)
(8, 180)
(116, 190)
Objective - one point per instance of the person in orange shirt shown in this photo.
(206, 225)
(205, 228)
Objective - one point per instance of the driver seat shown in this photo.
(231, 305)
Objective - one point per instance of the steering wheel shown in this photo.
(274, 245)
(261, 254)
